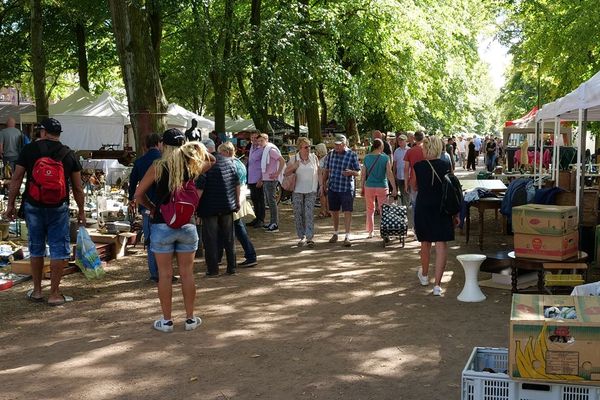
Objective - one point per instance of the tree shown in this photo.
(38, 59)
(135, 47)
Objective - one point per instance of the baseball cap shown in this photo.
(340, 139)
(51, 125)
(173, 137)
(402, 137)
(209, 143)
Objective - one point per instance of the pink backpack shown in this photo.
(182, 206)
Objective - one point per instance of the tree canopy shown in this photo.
(368, 64)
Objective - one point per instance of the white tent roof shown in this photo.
(76, 100)
(586, 96)
(238, 125)
(99, 123)
(179, 117)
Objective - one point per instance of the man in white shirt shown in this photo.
(398, 166)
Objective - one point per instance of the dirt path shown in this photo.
(327, 323)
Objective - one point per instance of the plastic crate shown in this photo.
(563, 280)
(478, 384)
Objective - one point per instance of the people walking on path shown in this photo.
(46, 205)
(179, 165)
(376, 175)
(306, 167)
(432, 225)
(340, 173)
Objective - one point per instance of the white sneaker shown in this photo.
(163, 325)
(370, 235)
(424, 280)
(437, 291)
(301, 243)
(192, 323)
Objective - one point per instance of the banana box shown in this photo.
(544, 219)
(555, 339)
(544, 247)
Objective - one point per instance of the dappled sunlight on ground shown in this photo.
(329, 323)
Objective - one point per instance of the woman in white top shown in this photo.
(306, 166)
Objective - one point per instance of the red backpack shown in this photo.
(48, 185)
(182, 206)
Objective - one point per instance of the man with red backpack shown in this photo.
(51, 168)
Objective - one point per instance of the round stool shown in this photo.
(471, 291)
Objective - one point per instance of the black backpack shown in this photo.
(452, 194)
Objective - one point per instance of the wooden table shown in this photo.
(486, 203)
(534, 264)
(493, 185)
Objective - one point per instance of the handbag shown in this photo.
(289, 181)
(362, 190)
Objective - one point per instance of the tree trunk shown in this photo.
(219, 75)
(82, 65)
(296, 122)
(38, 60)
(261, 113)
(324, 120)
(147, 103)
(352, 131)
(155, 19)
(312, 113)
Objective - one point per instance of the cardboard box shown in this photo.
(555, 350)
(544, 219)
(23, 267)
(541, 247)
(590, 205)
(567, 180)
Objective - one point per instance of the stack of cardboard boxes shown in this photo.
(545, 232)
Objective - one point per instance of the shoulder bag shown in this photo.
(289, 181)
(362, 191)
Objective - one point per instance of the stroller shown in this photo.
(394, 222)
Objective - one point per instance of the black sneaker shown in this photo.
(247, 264)
(273, 228)
(253, 223)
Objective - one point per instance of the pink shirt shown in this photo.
(272, 165)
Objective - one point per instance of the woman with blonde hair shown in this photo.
(321, 152)
(432, 225)
(179, 164)
(306, 167)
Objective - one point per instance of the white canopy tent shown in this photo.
(179, 117)
(582, 105)
(100, 123)
(75, 101)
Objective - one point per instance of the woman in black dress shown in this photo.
(431, 224)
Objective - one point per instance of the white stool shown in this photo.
(471, 292)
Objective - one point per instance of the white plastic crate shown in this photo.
(478, 384)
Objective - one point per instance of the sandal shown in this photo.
(65, 299)
(33, 299)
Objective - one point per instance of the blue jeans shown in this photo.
(152, 267)
(242, 236)
(491, 162)
(50, 224)
(167, 240)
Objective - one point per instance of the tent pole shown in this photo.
(555, 155)
(580, 161)
(541, 170)
(535, 145)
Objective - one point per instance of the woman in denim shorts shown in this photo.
(179, 163)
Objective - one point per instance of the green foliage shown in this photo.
(557, 39)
